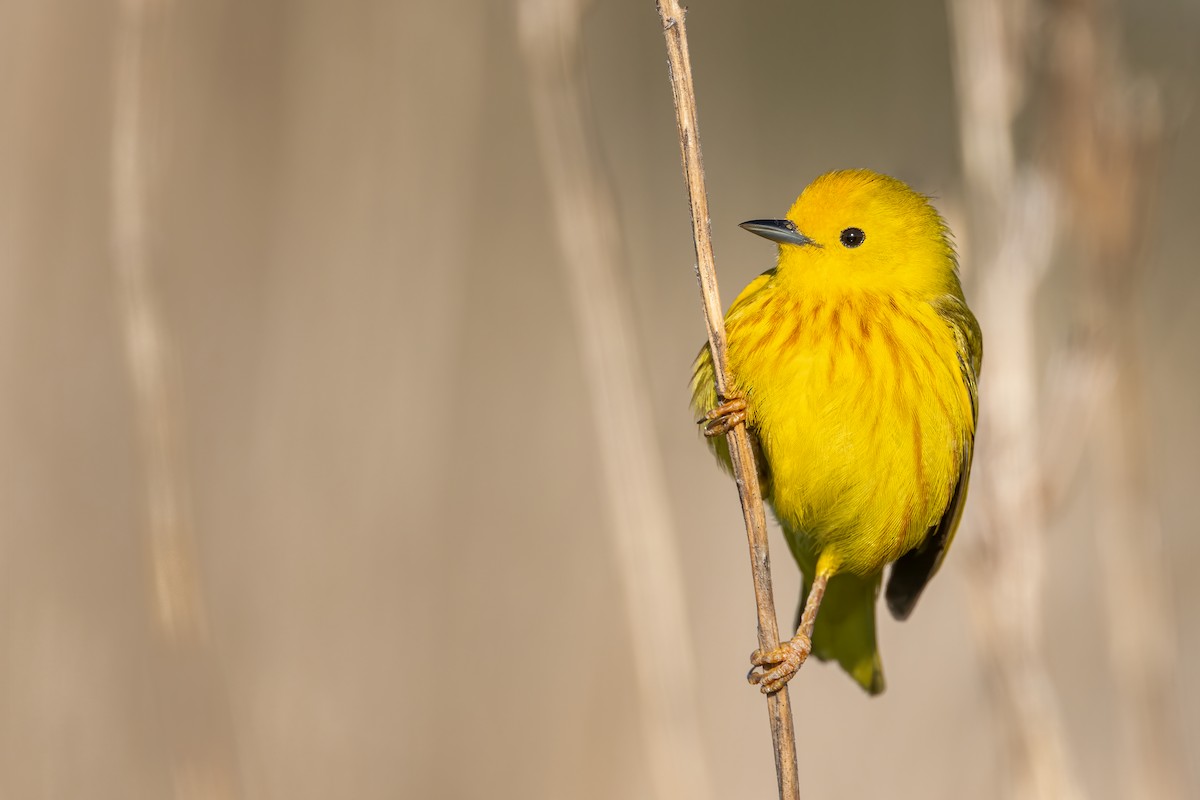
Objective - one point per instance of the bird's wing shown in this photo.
(704, 387)
(913, 570)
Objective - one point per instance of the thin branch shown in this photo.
(178, 606)
(1108, 130)
(778, 703)
(1077, 375)
(1011, 211)
(642, 528)
(188, 686)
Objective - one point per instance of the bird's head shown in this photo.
(857, 229)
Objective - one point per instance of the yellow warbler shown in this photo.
(854, 364)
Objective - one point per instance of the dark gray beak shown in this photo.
(783, 231)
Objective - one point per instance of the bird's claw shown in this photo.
(774, 668)
(725, 417)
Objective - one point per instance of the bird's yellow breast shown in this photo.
(860, 409)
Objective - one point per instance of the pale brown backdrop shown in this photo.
(397, 511)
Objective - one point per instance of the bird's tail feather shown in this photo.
(845, 628)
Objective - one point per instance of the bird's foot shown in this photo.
(725, 417)
(774, 668)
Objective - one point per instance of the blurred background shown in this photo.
(301, 494)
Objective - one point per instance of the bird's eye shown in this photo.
(853, 237)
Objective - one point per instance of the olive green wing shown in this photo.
(704, 399)
(914, 569)
(704, 386)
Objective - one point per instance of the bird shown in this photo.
(854, 365)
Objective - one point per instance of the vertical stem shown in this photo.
(642, 528)
(189, 689)
(178, 606)
(778, 703)
(1012, 229)
(1107, 136)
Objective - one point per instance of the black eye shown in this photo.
(853, 237)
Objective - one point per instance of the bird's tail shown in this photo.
(845, 629)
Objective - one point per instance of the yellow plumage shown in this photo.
(857, 358)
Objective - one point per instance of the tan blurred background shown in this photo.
(399, 525)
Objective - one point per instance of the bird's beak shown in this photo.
(783, 231)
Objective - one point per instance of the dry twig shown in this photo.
(189, 687)
(778, 704)
(1108, 135)
(1096, 184)
(1012, 228)
(642, 528)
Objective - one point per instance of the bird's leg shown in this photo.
(778, 666)
(725, 417)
